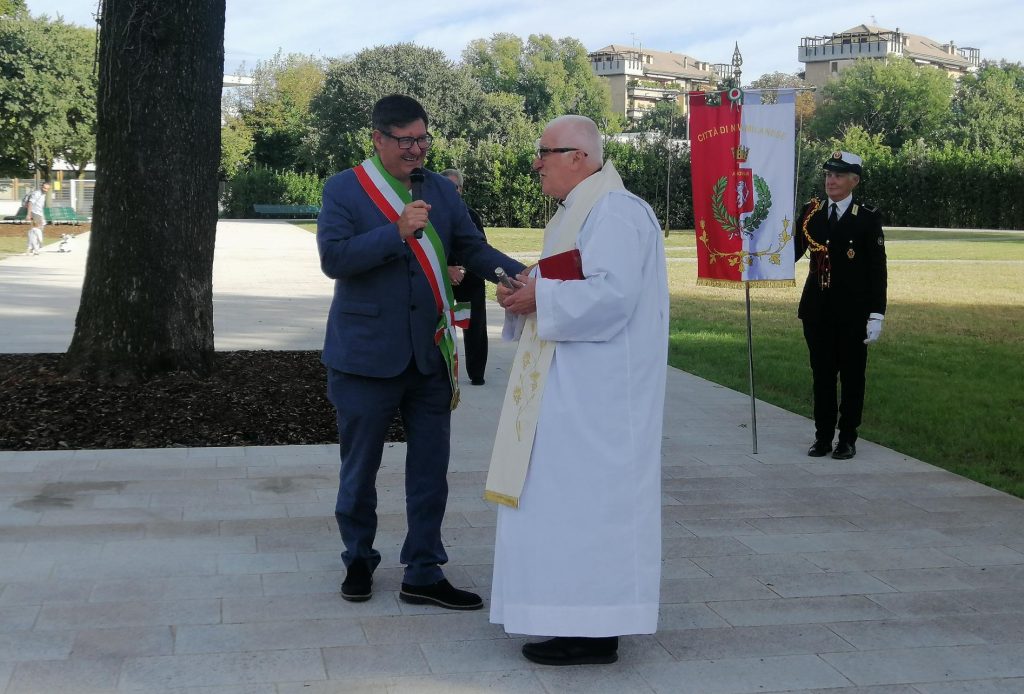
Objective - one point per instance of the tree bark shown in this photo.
(147, 300)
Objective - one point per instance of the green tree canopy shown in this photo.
(13, 8)
(341, 111)
(236, 144)
(897, 99)
(666, 117)
(553, 76)
(780, 80)
(988, 110)
(277, 110)
(47, 93)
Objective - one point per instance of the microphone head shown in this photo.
(416, 175)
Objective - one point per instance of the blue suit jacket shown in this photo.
(383, 313)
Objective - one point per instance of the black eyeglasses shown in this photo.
(423, 141)
(544, 151)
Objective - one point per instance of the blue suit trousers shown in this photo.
(365, 407)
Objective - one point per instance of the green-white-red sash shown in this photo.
(391, 197)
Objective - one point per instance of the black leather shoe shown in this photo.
(442, 594)
(358, 583)
(844, 451)
(573, 650)
(819, 449)
(477, 381)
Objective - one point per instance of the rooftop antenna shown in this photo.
(874, 22)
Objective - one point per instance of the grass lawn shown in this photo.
(14, 237)
(944, 380)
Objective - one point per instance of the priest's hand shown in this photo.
(522, 301)
(874, 328)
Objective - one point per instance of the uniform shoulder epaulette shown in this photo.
(869, 208)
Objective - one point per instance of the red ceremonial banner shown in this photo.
(721, 188)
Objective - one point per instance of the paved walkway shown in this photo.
(217, 569)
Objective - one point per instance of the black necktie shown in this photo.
(833, 218)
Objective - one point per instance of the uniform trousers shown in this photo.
(365, 409)
(837, 350)
(475, 336)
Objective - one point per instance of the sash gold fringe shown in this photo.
(503, 499)
(738, 284)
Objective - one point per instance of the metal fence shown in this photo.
(70, 192)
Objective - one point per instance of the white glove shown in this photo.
(874, 329)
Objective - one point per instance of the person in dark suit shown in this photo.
(468, 286)
(390, 342)
(843, 302)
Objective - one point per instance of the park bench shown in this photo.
(286, 211)
(63, 214)
(20, 216)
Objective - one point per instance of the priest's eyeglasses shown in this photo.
(423, 141)
(542, 152)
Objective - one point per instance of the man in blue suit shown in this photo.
(390, 342)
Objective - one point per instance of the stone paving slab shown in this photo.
(217, 569)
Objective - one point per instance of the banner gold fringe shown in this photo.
(739, 284)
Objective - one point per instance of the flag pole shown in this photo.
(750, 366)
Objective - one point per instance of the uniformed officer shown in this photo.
(843, 302)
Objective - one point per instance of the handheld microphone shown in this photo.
(416, 178)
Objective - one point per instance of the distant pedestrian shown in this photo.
(37, 217)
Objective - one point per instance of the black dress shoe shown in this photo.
(477, 381)
(844, 451)
(819, 449)
(573, 650)
(358, 583)
(442, 594)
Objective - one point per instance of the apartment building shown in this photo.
(825, 57)
(639, 77)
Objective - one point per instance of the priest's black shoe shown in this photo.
(844, 451)
(819, 449)
(477, 381)
(442, 594)
(358, 583)
(573, 650)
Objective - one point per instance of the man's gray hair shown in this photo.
(455, 174)
(581, 132)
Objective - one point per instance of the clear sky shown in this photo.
(768, 31)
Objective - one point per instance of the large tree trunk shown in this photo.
(147, 301)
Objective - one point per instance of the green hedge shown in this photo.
(262, 186)
(921, 186)
(917, 186)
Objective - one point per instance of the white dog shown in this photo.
(65, 243)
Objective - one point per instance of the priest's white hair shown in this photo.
(581, 132)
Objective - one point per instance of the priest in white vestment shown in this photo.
(579, 558)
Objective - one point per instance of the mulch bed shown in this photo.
(254, 398)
